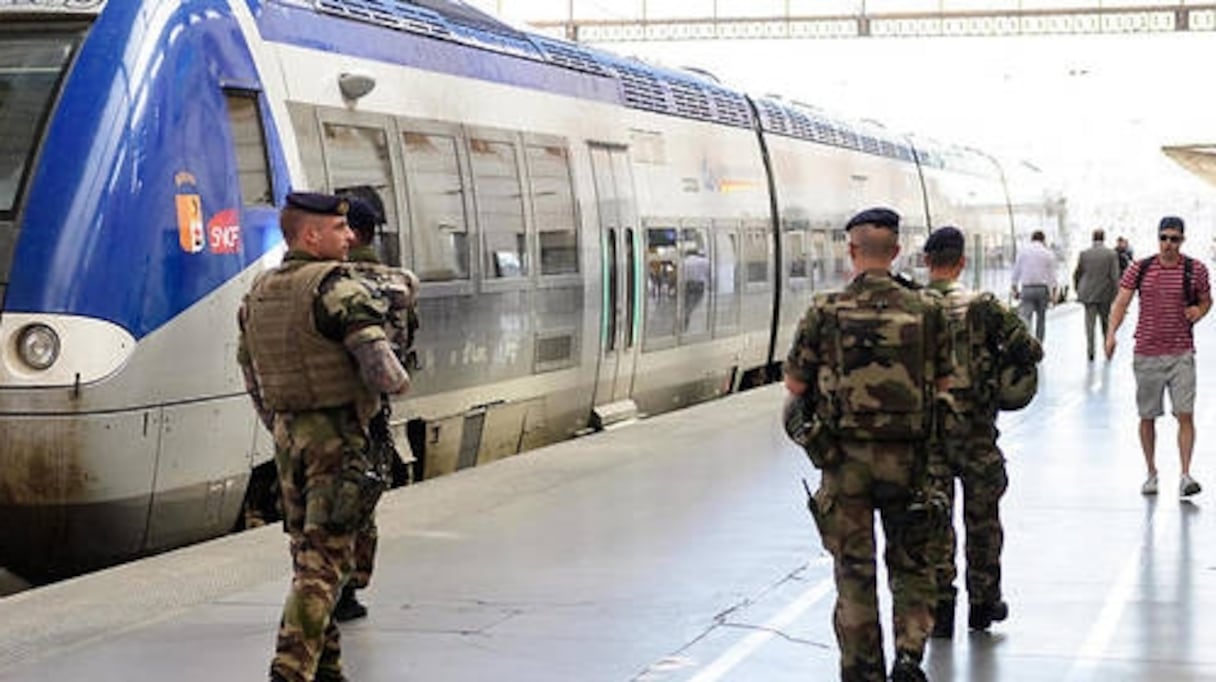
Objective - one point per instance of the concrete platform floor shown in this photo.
(678, 549)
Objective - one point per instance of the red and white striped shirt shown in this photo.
(1163, 328)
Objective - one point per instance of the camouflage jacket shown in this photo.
(871, 355)
(398, 287)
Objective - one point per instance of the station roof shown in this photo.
(599, 21)
(1199, 159)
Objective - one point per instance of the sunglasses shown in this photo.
(1174, 238)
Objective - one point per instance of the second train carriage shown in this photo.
(598, 238)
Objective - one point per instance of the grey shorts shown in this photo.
(1156, 373)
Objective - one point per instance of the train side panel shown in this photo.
(494, 209)
(709, 259)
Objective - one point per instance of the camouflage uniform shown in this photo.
(319, 453)
(974, 457)
(398, 289)
(863, 474)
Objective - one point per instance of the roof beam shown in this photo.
(1011, 22)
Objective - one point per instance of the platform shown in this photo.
(678, 549)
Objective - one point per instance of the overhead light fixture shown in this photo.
(355, 85)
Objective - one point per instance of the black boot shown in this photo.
(348, 608)
(943, 619)
(985, 614)
(907, 669)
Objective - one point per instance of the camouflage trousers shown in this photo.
(978, 464)
(874, 477)
(312, 449)
(365, 555)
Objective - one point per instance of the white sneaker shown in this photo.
(1188, 486)
(1150, 485)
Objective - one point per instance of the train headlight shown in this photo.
(38, 346)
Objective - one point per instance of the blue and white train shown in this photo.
(598, 239)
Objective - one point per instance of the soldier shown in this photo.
(982, 329)
(398, 288)
(316, 361)
(863, 374)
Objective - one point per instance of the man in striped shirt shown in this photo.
(1174, 295)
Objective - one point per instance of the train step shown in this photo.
(611, 415)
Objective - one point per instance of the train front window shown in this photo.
(29, 71)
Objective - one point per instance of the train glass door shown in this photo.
(619, 254)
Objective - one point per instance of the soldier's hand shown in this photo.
(405, 385)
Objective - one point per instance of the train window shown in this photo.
(249, 143)
(29, 71)
(631, 297)
(797, 262)
(441, 231)
(661, 282)
(694, 272)
(553, 206)
(357, 161)
(726, 281)
(755, 256)
(819, 258)
(613, 285)
(840, 256)
(500, 208)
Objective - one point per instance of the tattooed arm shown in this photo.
(347, 310)
(379, 367)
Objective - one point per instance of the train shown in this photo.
(599, 239)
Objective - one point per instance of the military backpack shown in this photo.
(872, 385)
(1000, 354)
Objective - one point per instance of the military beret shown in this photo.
(879, 217)
(1172, 222)
(362, 215)
(322, 204)
(944, 239)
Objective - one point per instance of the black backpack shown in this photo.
(1188, 276)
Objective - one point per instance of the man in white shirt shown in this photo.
(1034, 282)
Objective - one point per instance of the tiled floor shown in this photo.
(679, 549)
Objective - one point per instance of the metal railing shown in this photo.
(1097, 19)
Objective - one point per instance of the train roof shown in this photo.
(642, 85)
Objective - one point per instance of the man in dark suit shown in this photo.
(1097, 282)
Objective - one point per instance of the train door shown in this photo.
(619, 324)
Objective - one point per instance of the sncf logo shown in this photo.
(224, 232)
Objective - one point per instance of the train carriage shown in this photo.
(598, 239)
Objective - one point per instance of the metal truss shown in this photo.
(1010, 22)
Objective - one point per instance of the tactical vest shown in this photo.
(298, 368)
(872, 382)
